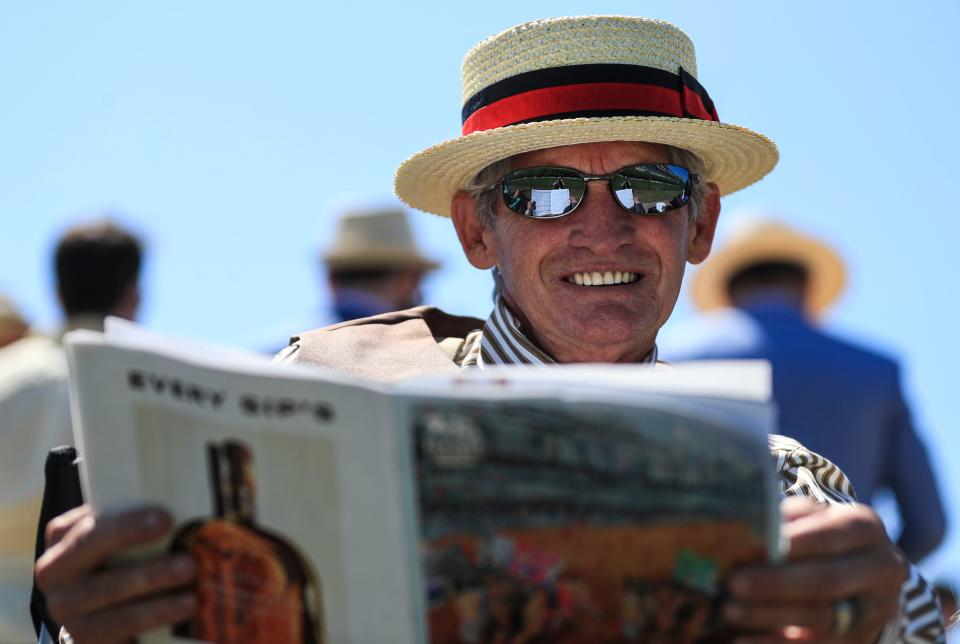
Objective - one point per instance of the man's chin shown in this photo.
(604, 335)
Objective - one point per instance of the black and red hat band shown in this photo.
(584, 91)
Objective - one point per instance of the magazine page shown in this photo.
(571, 504)
(130, 334)
(286, 485)
(590, 504)
(736, 380)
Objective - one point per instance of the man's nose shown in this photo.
(600, 224)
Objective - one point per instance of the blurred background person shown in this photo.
(374, 265)
(12, 324)
(97, 268)
(764, 292)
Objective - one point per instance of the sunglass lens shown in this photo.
(652, 188)
(542, 193)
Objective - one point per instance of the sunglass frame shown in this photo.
(692, 178)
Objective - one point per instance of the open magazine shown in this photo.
(563, 504)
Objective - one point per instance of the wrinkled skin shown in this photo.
(537, 258)
(835, 552)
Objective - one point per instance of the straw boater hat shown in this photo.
(373, 240)
(759, 242)
(563, 81)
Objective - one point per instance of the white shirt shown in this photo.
(34, 417)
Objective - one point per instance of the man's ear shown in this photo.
(478, 241)
(702, 230)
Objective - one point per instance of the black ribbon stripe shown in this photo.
(581, 74)
(687, 80)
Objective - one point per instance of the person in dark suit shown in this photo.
(764, 292)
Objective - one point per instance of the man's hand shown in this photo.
(836, 553)
(103, 605)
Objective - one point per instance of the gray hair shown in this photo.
(484, 191)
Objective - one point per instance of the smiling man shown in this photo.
(589, 173)
(596, 282)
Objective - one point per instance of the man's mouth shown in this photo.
(606, 278)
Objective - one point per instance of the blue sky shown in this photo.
(222, 130)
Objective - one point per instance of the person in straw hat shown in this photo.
(764, 292)
(374, 265)
(589, 171)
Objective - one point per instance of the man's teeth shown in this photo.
(608, 278)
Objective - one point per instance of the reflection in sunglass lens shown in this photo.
(651, 188)
(549, 192)
(543, 192)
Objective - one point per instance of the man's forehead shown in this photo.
(594, 157)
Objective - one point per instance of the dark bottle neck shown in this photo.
(232, 482)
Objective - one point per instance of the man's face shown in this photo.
(539, 260)
(404, 287)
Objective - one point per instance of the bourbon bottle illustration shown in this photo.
(254, 587)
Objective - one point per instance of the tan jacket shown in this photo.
(388, 347)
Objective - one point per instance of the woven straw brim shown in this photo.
(378, 260)
(825, 269)
(734, 157)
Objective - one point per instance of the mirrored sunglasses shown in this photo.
(548, 192)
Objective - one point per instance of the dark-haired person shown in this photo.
(764, 292)
(595, 103)
(97, 268)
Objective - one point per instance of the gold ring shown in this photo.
(846, 614)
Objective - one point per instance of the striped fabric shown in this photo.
(800, 471)
(501, 342)
(806, 473)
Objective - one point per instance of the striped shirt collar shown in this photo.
(502, 342)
